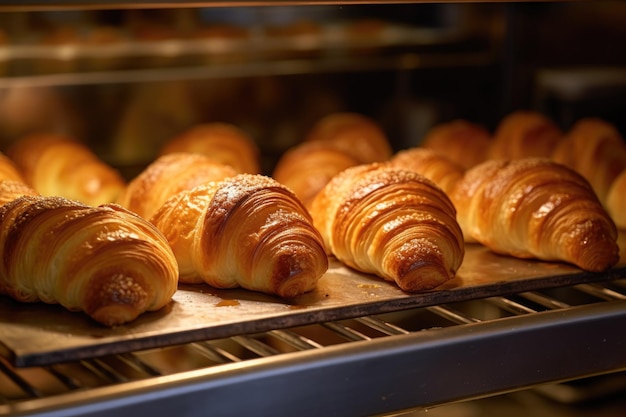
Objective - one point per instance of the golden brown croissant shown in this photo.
(59, 166)
(222, 142)
(595, 149)
(523, 134)
(390, 222)
(535, 208)
(11, 189)
(307, 168)
(616, 200)
(169, 175)
(355, 134)
(105, 261)
(245, 231)
(461, 141)
(8, 169)
(431, 164)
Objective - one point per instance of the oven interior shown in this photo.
(555, 346)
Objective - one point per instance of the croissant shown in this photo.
(535, 208)
(461, 141)
(523, 134)
(390, 222)
(434, 166)
(355, 134)
(307, 168)
(11, 189)
(59, 166)
(104, 261)
(246, 231)
(168, 175)
(616, 201)
(595, 149)
(8, 169)
(222, 142)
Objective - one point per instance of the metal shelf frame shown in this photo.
(538, 339)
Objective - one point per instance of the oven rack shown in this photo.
(371, 365)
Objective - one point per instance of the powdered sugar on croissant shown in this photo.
(245, 231)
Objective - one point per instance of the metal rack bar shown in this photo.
(296, 340)
(26, 387)
(370, 376)
(544, 300)
(453, 315)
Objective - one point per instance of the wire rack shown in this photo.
(369, 365)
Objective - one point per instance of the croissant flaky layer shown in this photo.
(354, 134)
(245, 231)
(11, 189)
(595, 149)
(391, 222)
(59, 166)
(221, 142)
(525, 134)
(535, 208)
(307, 168)
(463, 142)
(104, 261)
(169, 175)
(431, 164)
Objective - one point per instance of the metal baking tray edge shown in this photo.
(40, 334)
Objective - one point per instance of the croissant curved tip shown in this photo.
(425, 277)
(115, 300)
(115, 315)
(297, 275)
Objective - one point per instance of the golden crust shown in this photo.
(595, 149)
(355, 134)
(390, 222)
(104, 261)
(535, 208)
(307, 168)
(224, 143)
(11, 189)
(59, 166)
(463, 142)
(8, 170)
(431, 164)
(616, 200)
(523, 134)
(168, 175)
(245, 231)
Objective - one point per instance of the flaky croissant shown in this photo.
(616, 201)
(223, 142)
(246, 231)
(306, 168)
(105, 261)
(12, 183)
(11, 189)
(355, 134)
(464, 142)
(168, 175)
(535, 208)
(431, 164)
(59, 166)
(390, 222)
(8, 170)
(594, 148)
(524, 134)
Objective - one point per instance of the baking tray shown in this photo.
(40, 334)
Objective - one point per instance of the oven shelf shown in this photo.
(369, 365)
